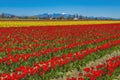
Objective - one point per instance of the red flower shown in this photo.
(80, 74)
(99, 66)
(8, 63)
(109, 73)
(88, 75)
(80, 79)
(41, 73)
(87, 70)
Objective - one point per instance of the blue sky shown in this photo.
(107, 8)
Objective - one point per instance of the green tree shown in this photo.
(80, 17)
(3, 15)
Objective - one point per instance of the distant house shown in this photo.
(15, 17)
(51, 18)
(75, 18)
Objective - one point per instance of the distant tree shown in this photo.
(32, 17)
(73, 16)
(96, 18)
(62, 17)
(69, 17)
(86, 18)
(48, 17)
(80, 17)
(111, 19)
(12, 16)
(2, 15)
(76, 15)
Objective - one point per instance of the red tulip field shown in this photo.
(65, 52)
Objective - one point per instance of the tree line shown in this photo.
(62, 17)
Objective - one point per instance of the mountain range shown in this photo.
(54, 15)
(8, 15)
(59, 15)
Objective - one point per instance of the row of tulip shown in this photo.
(50, 23)
(75, 72)
(11, 37)
(45, 66)
(16, 58)
(95, 72)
